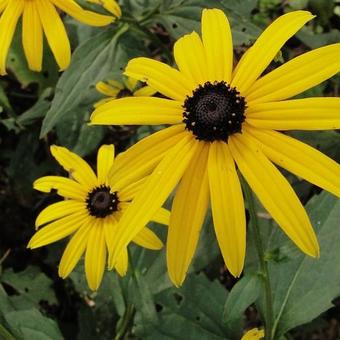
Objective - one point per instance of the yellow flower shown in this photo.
(38, 17)
(221, 117)
(91, 212)
(254, 334)
(115, 89)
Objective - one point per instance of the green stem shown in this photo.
(263, 263)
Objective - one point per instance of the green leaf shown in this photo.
(31, 324)
(31, 287)
(304, 287)
(245, 292)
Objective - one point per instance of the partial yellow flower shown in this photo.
(91, 212)
(254, 334)
(225, 117)
(39, 17)
(128, 87)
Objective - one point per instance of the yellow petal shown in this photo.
(73, 251)
(190, 58)
(122, 262)
(59, 229)
(266, 47)
(161, 216)
(110, 5)
(296, 114)
(145, 91)
(254, 334)
(75, 165)
(32, 36)
(8, 22)
(95, 256)
(227, 207)
(161, 77)
(218, 45)
(105, 158)
(138, 111)
(187, 215)
(107, 89)
(58, 210)
(147, 238)
(128, 192)
(299, 158)
(55, 33)
(86, 17)
(65, 187)
(140, 159)
(296, 76)
(130, 83)
(155, 191)
(274, 192)
(3, 4)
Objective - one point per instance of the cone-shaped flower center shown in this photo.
(214, 111)
(101, 202)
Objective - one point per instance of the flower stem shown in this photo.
(263, 263)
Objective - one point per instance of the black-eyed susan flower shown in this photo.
(41, 17)
(254, 334)
(128, 87)
(91, 212)
(223, 116)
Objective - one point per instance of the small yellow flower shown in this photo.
(254, 334)
(223, 119)
(129, 87)
(38, 17)
(91, 212)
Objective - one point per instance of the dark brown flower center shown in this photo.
(214, 112)
(101, 202)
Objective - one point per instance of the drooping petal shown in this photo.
(190, 58)
(187, 215)
(109, 5)
(32, 36)
(161, 216)
(55, 33)
(299, 158)
(155, 191)
(58, 210)
(274, 192)
(65, 187)
(75, 165)
(74, 250)
(86, 17)
(148, 239)
(122, 263)
(8, 22)
(107, 89)
(105, 157)
(218, 45)
(139, 160)
(59, 229)
(161, 77)
(296, 114)
(138, 111)
(266, 47)
(296, 76)
(227, 207)
(95, 256)
(145, 91)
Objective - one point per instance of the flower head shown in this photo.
(41, 17)
(128, 87)
(91, 212)
(223, 117)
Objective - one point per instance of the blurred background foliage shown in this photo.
(40, 109)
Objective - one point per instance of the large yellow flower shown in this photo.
(38, 17)
(91, 212)
(222, 116)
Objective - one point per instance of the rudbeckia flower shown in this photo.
(223, 118)
(254, 334)
(91, 212)
(38, 17)
(128, 87)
